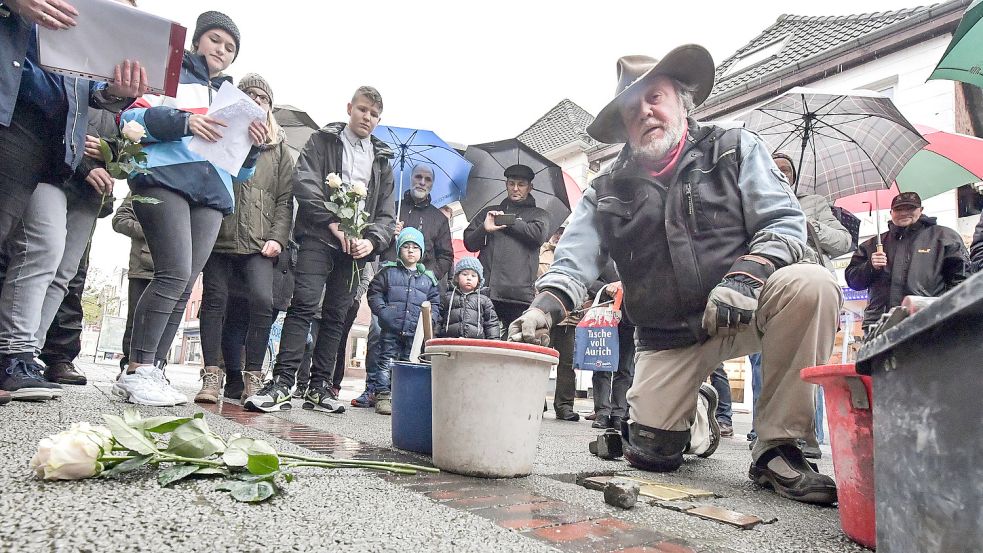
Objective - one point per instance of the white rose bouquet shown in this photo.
(346, 202)
(252, 469)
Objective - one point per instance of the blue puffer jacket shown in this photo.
(172, 165)
(396, 294)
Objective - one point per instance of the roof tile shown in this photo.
(807, 36)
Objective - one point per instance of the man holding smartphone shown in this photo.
(508, 237)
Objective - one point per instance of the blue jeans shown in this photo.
(755, 359)
(719, 381)
(393, 347)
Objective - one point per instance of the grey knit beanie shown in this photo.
(216, 20)
(254, 80)
(471, 263)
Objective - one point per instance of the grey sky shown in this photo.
(470, 71)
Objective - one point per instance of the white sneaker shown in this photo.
(178, 397)
(142, 387)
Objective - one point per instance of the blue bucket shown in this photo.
(412, 416)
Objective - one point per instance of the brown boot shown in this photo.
(211, 385)
(252, 381)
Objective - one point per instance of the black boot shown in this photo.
(771, 470)
(654, 449)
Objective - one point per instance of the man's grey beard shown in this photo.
(418, 194)
(655, 151)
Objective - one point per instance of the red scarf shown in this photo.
(673, 155)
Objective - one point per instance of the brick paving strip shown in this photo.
(557, 523)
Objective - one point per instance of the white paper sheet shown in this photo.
(237, 110)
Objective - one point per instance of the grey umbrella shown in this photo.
(845, 143)
(297, 125)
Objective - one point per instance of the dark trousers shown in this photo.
(507, 312)
(319, 356)
(720, 382)
(63, 342)
(29, 150)
(134, 290)
(561, 339)
(320, 268)
(304, 372)
(254, 274)
(611, 389)
(180, 237)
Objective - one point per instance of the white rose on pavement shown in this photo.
(133, 131)
(333, 180)
(360, 190)
(72, 454)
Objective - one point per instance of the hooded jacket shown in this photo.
(264, 204)
(510, 257)
(172, 164)
(323, 154)
(923, 259)
(396, 295)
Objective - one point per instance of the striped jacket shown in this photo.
(172, 165)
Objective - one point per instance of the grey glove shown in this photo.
(732, 303)
(532, 327)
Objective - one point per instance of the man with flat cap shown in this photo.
(710, 243)
(508, 237)
(915, 256)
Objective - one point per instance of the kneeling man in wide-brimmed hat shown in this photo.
(710, 243)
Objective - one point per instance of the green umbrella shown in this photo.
(963, 59)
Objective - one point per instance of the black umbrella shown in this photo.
(297, 125)
(486, 183)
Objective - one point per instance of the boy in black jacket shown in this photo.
(467, 313)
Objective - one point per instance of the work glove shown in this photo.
(532, 327)
(732, 303)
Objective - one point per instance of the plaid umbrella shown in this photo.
(845, 143)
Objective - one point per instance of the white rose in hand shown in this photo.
(333, 180)
(133, 131)
(72, 454)
(360, 190)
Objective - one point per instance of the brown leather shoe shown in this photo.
(4, 397)
(64, 373)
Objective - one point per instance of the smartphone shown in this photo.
(505, 219)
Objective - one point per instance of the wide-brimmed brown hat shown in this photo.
(690, 64)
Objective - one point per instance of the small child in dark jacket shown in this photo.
(467, 313)
(395, 296)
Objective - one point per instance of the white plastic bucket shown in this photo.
(487, 405)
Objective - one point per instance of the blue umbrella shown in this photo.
(416, 146)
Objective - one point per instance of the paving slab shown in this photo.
(356, 510)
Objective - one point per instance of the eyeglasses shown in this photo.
(259, 97)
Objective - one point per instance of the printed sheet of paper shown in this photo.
(235, 109)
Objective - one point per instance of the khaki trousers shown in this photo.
(793, 328)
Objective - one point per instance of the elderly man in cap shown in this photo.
(710, 243)
(508, 237)
(915, 257)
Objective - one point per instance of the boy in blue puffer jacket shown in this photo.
(395, 296)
